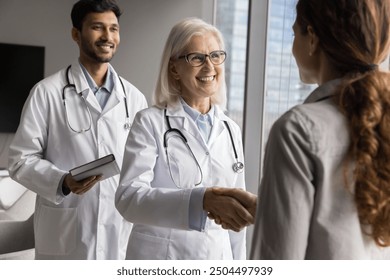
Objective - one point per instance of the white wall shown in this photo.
(144, 28)
(145, 24)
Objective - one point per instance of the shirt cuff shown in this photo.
(62, 190)
(196, 215)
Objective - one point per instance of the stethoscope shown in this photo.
(238, 166)
(69, 85)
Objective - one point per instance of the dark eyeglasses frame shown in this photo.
(205, 56)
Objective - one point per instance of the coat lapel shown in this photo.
(180, 119)
(218, 126)
(78, 78)
(117, 95)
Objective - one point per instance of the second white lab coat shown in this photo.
(148, 197)
(44, 149)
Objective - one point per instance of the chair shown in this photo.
(16, 220)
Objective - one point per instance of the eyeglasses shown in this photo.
(198, 59)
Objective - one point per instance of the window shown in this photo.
(283, 86)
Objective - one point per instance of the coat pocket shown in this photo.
(56, 230)
(146, 247)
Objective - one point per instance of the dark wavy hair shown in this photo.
(83, 7)
(354, 34)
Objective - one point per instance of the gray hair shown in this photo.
(167, 90)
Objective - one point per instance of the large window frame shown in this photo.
(255, 92)
(253, 116)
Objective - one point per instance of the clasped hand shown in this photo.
(232, 208)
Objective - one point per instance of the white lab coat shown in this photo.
(44, 149)
(148, 197)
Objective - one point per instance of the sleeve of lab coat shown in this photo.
(135, 199)
(286, 194)
(26, 163)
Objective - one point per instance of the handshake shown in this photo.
(232, 208)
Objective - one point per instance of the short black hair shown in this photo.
(84, 7)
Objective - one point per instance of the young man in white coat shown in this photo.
(77, 115)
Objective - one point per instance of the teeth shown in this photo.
(105, 46)
(206, 79)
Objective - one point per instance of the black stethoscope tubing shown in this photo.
(69, 85)
(238, 166)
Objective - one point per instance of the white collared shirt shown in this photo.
(204, 122)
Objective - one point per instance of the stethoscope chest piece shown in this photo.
(238, 167)
(127, 125)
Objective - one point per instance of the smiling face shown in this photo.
(198, 84)
(98, 38)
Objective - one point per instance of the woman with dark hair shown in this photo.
(325, 193)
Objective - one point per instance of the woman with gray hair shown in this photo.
(179, 150)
